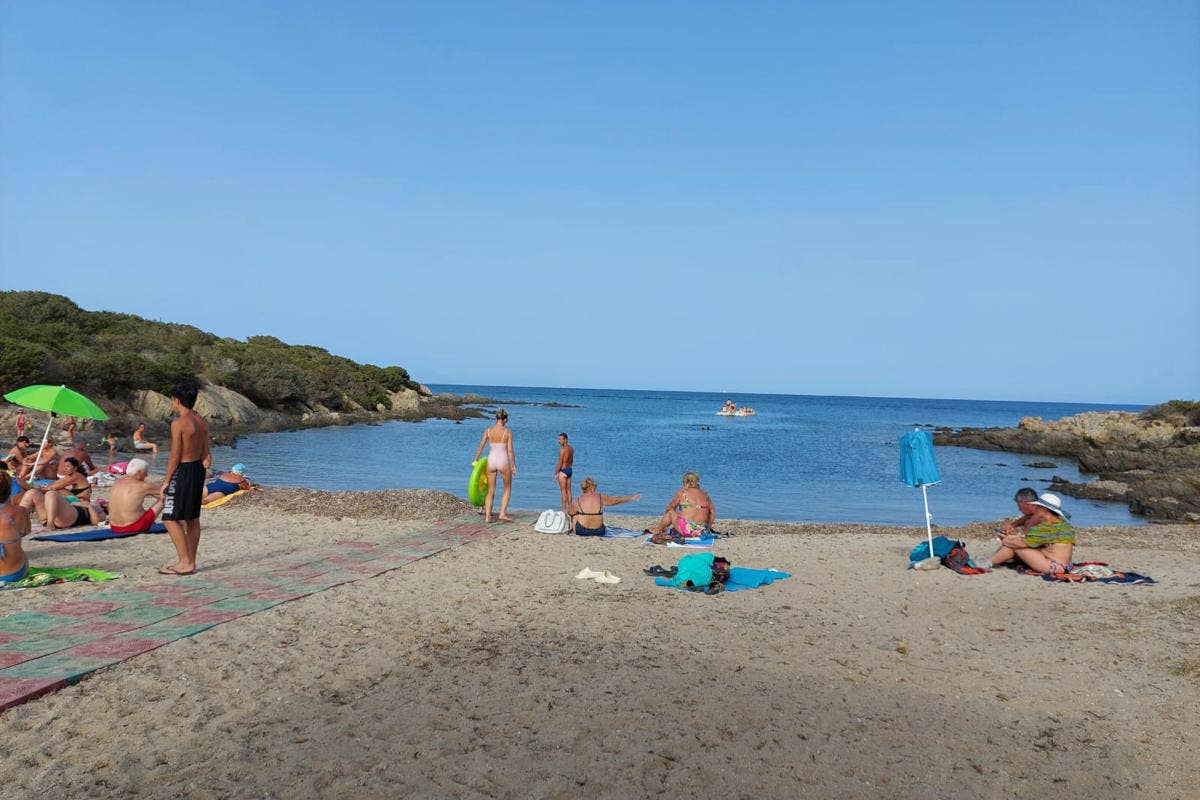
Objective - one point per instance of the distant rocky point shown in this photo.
(1150, 460)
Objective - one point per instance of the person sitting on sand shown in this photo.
(47, 466)
(501, 461)
(226, 483)
(80, 453)
(20, 448)
(125, 506)
(1041, 537)
(14, 524)
(70, 487)
(589, 507)
(689, 515)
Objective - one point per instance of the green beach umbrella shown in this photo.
(56, 400)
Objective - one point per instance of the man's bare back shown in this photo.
(128, 496)
(189, 437)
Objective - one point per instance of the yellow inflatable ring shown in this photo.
(478, 485)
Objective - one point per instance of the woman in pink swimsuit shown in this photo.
(500, 461)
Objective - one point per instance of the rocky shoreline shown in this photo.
(1149, 460)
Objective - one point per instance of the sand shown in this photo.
(490, 672)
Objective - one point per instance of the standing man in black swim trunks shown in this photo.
(562, 470)
(184, 485)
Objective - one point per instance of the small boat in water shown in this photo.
(730, 409)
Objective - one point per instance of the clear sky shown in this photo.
(993, 201)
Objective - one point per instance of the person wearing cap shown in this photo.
(125, 506)
(1042, 537)
(226, 483)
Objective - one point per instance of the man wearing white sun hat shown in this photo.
(1042, 537)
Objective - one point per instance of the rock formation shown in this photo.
(1149, 460)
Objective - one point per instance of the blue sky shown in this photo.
(995, 201)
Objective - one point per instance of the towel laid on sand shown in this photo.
(1097, 572)
(224, 499)
(98, 535)
(613, 532)
(740, 578)
(44, 576)
(706, 540)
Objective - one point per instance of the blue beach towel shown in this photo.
(613, 532)
(740, 578)
(98, 535)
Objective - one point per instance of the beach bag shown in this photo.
(960, 561)
(552, 521)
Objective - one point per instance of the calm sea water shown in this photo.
(802, 458)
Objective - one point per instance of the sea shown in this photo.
(800, 458)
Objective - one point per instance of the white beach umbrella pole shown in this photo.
(45, 436)
(928, 520)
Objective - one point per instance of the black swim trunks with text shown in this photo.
(182, 498)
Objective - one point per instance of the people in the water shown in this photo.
(587, 510)
(689, 515)
(126, 505)
(502, 462)
(225, 483)
(563, 470)
(1042, 537)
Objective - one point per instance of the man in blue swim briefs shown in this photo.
(562, 470)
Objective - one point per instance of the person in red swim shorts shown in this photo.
(125, 507)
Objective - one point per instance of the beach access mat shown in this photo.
(706, 540)
(47, 647)
(45, 576)
(98, 535)
(740, 578)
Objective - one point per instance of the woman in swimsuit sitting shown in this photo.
(589, 498)
(226, 484)
(689, 515)
(64, 503)
(1041, 537)
(14, 524)
(500, 461)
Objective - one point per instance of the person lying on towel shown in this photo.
(689, 515)
(226, 484)
(1041, 537)
(125, 506)
(587, 510)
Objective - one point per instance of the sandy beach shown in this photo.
(488, 671)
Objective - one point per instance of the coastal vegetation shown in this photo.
(47, 338)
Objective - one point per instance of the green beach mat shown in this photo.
(44, 576)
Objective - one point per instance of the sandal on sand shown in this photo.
(607, 577)
(658, 569)
(173, 571)
(587, 574)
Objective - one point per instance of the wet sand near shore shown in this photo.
(489, 671)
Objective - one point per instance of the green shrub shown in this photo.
(1178, 412)
(46, 338)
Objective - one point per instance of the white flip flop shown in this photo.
(607, 577)
(587, 574)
